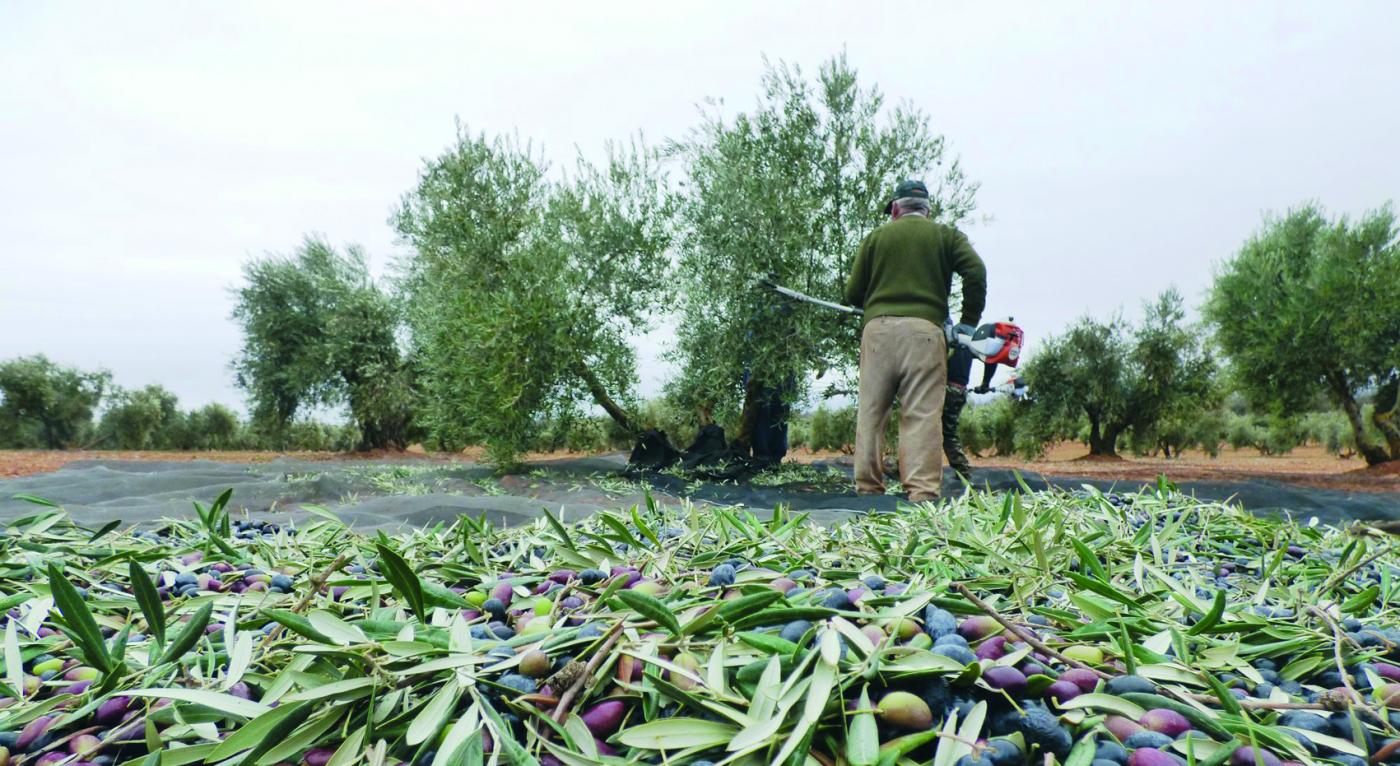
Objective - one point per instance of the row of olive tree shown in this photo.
(1308, 312)
(52, 406)
(524, 287)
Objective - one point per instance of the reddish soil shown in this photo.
(1306, 466)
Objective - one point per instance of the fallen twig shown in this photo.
(1028, 638)
(567, 699)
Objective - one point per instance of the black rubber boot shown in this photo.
(953, 403)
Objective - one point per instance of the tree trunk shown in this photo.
(748, 417)
(1371, 452)
(50, 434)
(1386, 415)
(600, 395)
(1103, 441)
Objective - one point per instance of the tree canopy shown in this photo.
(318, 331)
(1311, 306)
(523, 292)
(43, 404)
(787, 190)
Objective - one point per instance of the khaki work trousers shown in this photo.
(907, 358)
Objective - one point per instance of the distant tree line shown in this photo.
(45, 405)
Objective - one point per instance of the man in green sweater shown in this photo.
(901, 278)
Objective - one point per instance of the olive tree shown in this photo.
(1118, 378)
(786, 191)
(1311, 305)
(142, 419)
(523, 289)
(317, 331)
(212, 426)
(43, 404)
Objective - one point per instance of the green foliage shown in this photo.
(211, 427)
(317, 331)
(1120, 379)
(143, 419)
(1332, 292)
(787, 190)
(522, 292)
(833, 430)
(1270, 436)
(43, 404)
(995, 427)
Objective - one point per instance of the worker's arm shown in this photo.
(967, 264)
(859, 281)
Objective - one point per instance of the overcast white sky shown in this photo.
(150, 148)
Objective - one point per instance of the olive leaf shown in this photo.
(148, 599)
(81, 626)
(404, 580)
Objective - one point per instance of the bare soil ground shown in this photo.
(1305, 466)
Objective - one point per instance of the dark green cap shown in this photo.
(909, 188)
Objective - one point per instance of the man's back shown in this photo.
(905, 268)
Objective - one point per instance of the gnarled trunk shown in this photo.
(1371, 452)
(748, 417)
(1386, 416)
(1103, 439)
(600, 395)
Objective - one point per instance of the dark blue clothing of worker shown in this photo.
(960, 367)
(770, 429)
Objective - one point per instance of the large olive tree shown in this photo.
(523, 290)
(318, 331)
(787, 190)
(44, 404)
(1311, 305)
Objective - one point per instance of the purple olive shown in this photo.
(604, 718)
(1387, 671)
(32, 731)
(1063, 691)
(1120, 727)
(563, 576)
(1009, 680)
(975, 628)
(1245, 756)
(113, 710)
(503, 592)
(76, 688)
(318, 756)
(1148, 756)
(993, 648)
(1168, 722)
(241, 691)
(1084, 679)
(52, 757)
